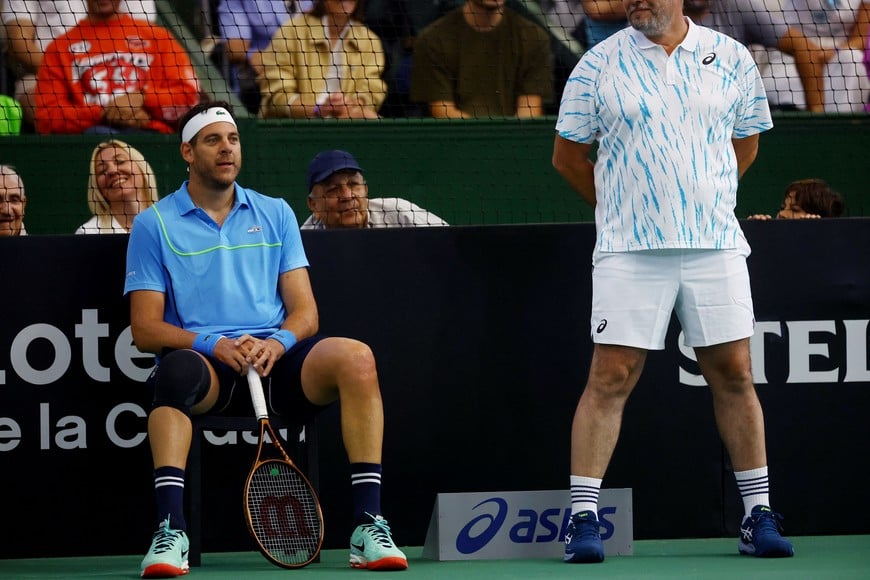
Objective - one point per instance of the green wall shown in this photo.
(468, 172)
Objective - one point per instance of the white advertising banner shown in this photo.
(520, 524)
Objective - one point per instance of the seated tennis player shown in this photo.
(218, 281)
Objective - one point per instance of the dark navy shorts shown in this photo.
(282, 388)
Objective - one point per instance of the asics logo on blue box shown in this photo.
(521, 524)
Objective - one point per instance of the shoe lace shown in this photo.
(767, 523)
(164, 538)
(585, 528)
(379, 531)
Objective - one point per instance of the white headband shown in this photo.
(207, 117)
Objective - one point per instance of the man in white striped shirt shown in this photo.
(676, 110)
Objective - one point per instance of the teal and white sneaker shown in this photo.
(372, 547)
(167, 557)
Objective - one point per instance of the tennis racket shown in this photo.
(281, 507)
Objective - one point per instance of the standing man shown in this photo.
(13, 202)
(482, 60)
(218, 281)
(677, 109)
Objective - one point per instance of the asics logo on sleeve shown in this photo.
(601, 326)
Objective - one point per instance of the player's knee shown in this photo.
(359, 360)
(183, 380)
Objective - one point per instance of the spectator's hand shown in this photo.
(340, 106)
(361, 111)
(759, 216)
(127, 111)
(334, 106)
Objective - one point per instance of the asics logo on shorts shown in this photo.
(601, 326)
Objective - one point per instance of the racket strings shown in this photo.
(283, 513)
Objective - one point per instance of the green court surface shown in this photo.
(817, 558)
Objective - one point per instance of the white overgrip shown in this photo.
(258, 399)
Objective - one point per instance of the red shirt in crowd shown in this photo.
(94, 62)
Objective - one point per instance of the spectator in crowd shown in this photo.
(112, 73)
(482, 60)
(325, 63)
(239, 296)
(603, 18)
(121, 185)
(788, 61)
(246, 28)
(840, 28)
(31, 25)
(338, 198)
(808, 199)
(13, 202)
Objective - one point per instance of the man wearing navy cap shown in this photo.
(338, 197)
(218, 281)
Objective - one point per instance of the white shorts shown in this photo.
(634, 293)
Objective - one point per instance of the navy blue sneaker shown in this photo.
(761, 535)
(583, 539)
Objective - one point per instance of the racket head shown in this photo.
(283, 513)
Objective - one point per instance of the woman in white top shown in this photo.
(120, 186)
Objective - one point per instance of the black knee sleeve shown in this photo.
(181, 382)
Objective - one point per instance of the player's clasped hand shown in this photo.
(261, 353)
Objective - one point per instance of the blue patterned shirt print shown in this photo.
(666, 171)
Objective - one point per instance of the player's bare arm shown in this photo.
(746, 150)
(572, 161)
(302, 320)
(152, 334)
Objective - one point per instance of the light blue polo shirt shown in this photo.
(217, 280)
(666, 171)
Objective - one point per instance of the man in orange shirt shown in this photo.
(113, 73)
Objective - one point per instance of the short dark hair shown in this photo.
(199, 108)
(815, 196)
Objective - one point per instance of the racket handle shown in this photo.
(258, 399)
